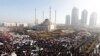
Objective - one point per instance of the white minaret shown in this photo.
(49, 19)
(55, 19)
(36, 20)
(43, 15)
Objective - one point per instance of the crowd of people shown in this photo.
(60, 46)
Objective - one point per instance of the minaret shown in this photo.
(43, 15)
(49, 18)
(55, 19)
(50, 13)
(36, 20)
(35, 16)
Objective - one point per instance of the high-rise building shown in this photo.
(68, 20)
(75, 16)
(84, 18)
(93, 19)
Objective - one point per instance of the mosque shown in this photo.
(46, 25)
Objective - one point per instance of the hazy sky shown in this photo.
(23, 10)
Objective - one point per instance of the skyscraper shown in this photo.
(93, 19)
(68, 20)
(84, 17)
(75, 16)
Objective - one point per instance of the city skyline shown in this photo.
(23, 10)
(75, 21)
